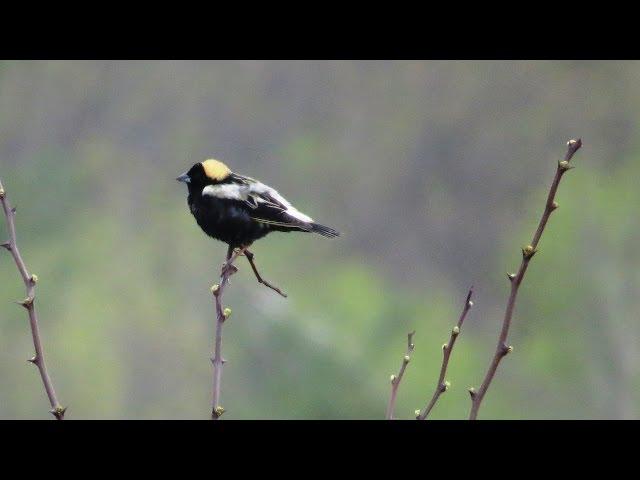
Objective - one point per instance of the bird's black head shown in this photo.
(205, 173)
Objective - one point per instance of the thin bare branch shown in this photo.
(28, 303)
(222, 314)
(396, 379)
(443, 385)
(502, 349)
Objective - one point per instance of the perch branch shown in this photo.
(222, 314)
(29, 304)
(442, 385)
(502, 349)
(396, 379)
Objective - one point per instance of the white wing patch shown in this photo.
(228, 191)
(259, 188)
(234, 191)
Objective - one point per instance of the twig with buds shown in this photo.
(502, 349)
(396, 379)
(443, 385)
(28, 303)
(222, 314)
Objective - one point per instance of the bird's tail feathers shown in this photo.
(324, 231)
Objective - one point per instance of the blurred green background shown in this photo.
(435, 172)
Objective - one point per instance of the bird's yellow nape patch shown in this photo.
(215, 169)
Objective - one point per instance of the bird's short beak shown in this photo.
(184, 178)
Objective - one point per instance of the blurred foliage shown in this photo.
(436, 172)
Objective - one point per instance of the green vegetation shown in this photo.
(437, 174)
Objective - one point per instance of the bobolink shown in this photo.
(239, 210)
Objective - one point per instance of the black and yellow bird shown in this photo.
(239, 210)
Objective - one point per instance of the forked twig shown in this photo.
(502, 349)
(29, 303)
(443, 385)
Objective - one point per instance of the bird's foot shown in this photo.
(273, 287)
(228, 269)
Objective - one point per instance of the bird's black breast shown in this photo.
(226, 220)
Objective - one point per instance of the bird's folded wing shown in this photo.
(269, 207)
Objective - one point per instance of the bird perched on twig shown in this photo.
(239, 210)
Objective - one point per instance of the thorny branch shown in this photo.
(502, 349)
(29, 303)
(443, 385)
(396, 379)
